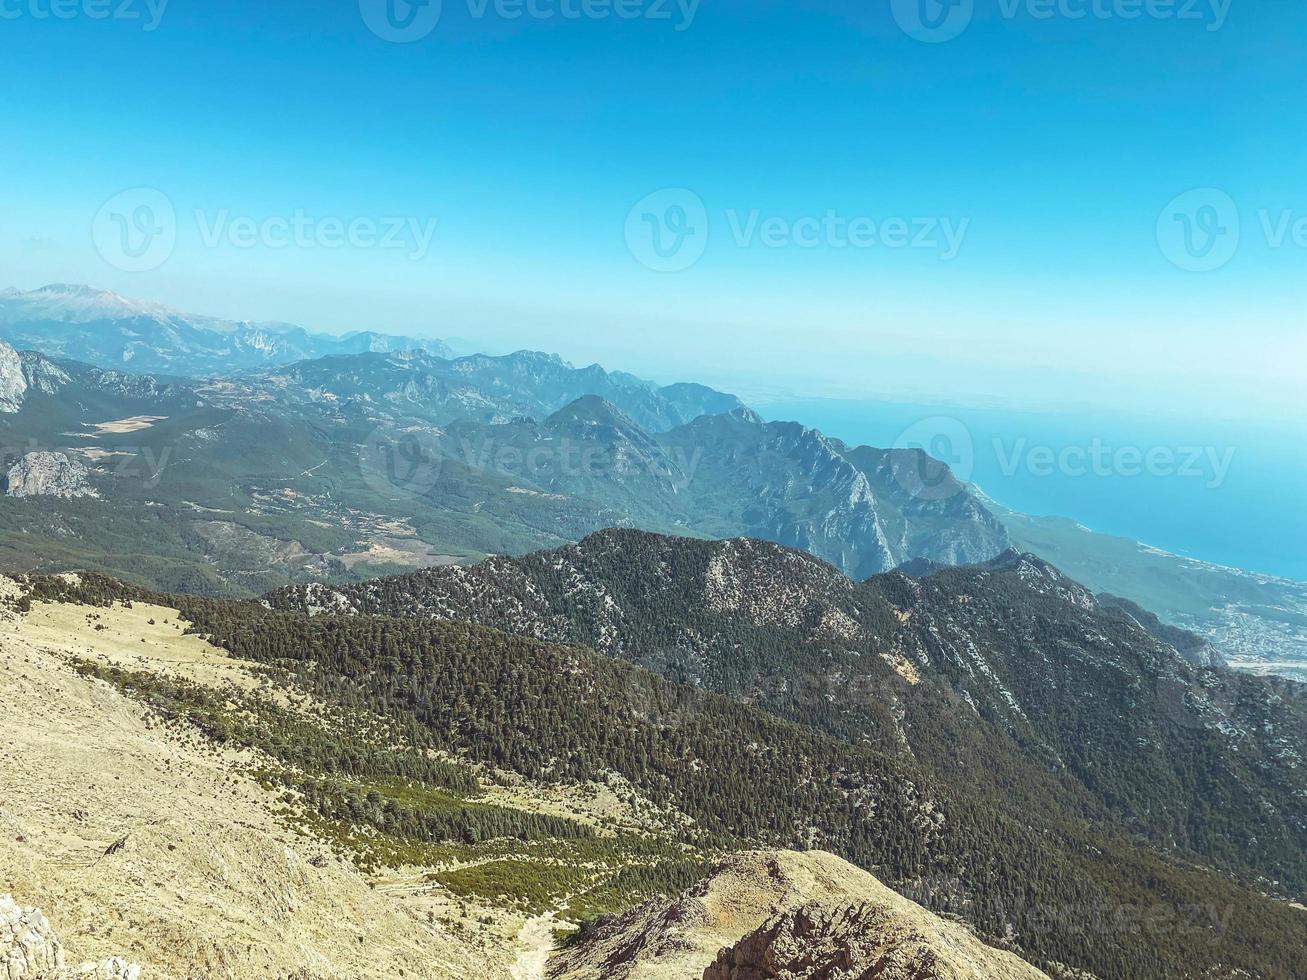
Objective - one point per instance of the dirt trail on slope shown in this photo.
(537, 936)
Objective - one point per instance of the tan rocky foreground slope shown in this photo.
(786, 916)
(137, 841)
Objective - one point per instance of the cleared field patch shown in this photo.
(134, 424)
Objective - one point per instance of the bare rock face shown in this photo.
(29, 950)
(42, 374)
(46, 474)
(13, 381)
(28, 947)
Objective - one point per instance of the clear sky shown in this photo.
(1032, 158)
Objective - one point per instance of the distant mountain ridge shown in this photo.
(338, 466)
(111, 331)
(425, 386)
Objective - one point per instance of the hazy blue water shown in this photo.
(1250, 516)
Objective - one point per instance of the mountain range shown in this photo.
(344, 465)
(233, 473)
(109, 331)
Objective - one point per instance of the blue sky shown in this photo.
(1050, 144)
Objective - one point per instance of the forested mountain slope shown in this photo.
(1006, 678)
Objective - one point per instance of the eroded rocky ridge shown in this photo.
(789, 916)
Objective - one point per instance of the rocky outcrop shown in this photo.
(46, 474)
(28, 947)
(787, 916)
(29, 950)
(114, 968)
(13, 381)
(859, 942)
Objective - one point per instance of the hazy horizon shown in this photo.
(992, 219)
